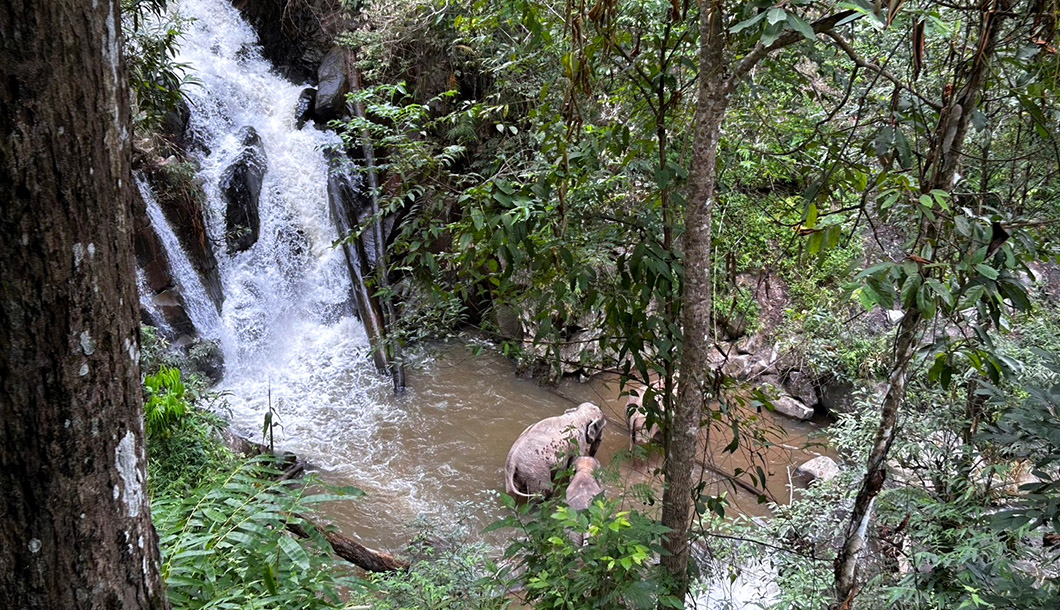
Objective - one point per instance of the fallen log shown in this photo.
(343, 546)
(351, 550)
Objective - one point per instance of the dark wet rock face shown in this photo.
(303, 109)
(290, 35)
(332, 86)
(241, 190)
(180, 199)
(152, 259)
(206, 358)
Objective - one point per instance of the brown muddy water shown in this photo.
(437, 453)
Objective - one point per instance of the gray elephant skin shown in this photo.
(583, 485)
(549, 443)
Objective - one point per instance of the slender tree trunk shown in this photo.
(875, 472)
(941, 174)
(389, 346)
(697, 377)
(76, 527)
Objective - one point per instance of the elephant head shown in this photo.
(547, 444)
(583, 486)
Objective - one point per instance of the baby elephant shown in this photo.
(549, 443)
(583, 485)
(636, 415)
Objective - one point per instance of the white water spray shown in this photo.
(200, 309)
(287, 328)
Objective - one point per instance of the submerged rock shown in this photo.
(241, 189)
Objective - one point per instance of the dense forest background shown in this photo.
(840, 210)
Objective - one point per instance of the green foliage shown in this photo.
(1030, 434)
(191, 454)
(165, 402)
(183, 444)
(615, 567)
(447, 572)
(225, 544)
(153, 351)
(151, 41)
(831, 344)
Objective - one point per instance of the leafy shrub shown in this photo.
(615, 568)
(447, 571)
(155, 78)
(182, 441)
(165, 402)
(225, 544)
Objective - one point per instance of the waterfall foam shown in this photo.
(196, 302)
(287, 328)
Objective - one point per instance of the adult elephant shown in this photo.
(549, 443)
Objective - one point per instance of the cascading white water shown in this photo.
(287, 329)
(197, 304)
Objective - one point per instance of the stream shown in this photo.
(293, 345)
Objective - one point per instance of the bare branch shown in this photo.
(859, 61)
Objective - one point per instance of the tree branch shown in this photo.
(760, 51)
(852, 54)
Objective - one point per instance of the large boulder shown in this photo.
(241, 189)
(332, 86)
(838, 397)
(801, 385)
(786, 404)
(820, 468)
(202, 356)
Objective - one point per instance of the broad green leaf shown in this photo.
(987, 271)
(799, 25)
(743, 25)
(925, 302)
(295, 552)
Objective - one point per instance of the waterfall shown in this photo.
(148, 305)
(287, 328)
(196, 302)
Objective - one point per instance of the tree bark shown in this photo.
(76, 529)
(697, 377)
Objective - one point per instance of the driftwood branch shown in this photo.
(351, 550)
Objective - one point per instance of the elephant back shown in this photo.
(544, 445)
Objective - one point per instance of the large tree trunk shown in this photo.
(76, 528)
(389, 346)
(697, 377)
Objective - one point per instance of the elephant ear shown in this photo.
(594, 432)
